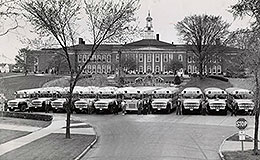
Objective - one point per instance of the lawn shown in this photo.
(207, 82)
(24, 122)
(7, 135)
(53, 146)
(239, 155)
(9, 85)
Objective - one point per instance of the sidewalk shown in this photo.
(57, 126)
(236, 145)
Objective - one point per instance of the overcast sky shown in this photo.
(165, 14)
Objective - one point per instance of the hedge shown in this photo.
(40, 117)
(219, 78)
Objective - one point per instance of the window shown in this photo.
(94, 68)
(108, 68)
(189, 68)
(189, 59)
(140, 68)
(157, 58)
(149, 59)
(99, 58)
(214, 69)
(141, 57)
(93, 58)
(104, 58)
(180, 57)
(99, 69)
(117, 57)
(194, 59)
(149, 69)
(108, 58)
(84, 58)
(170, 57)
(219, 68)
(194, 69)
(157, 69)
(89, 68)
(209, 69)
(103, 68)
(165, 57)
(79, 58)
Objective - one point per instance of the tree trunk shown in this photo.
(256, 114)
(68, 125)
(201, 69)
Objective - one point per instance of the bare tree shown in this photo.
(249, 40)
(202, 33)
(24, 60)
(174, 66)
(8, 16)
(107, 21)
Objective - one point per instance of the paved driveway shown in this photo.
(159, 137)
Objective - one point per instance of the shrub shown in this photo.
(40, 117)
(219, 78)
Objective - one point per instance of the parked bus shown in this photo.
(87, 98)
(44, 97)
(216, 100)
(164, 99)
(131, 96)
(107, 98)
(239, 98)
(22, 99)
(191, 99)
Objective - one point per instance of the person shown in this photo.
(145, 107)
(204, 108)
(5, 105)
(123, 104)
(234, 110)
(149, 105)
(47, 107)
(178, 106)
(139, 106)
(115, 106)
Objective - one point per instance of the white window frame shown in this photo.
(99, 58)
(108, 68)
(104, 58)
(180, 57)
(165, 57)
(157, 68)
(149, 57)
(189, 59)
(149, 68)
(141, 57)
(94, 69)
(219, 69)
(79, 58)
(157, 57)
(141, 69)
(189, 69)
(109, 58)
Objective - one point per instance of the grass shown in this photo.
(8, 135)
(239, 155)
(9, 85)
(53, 146)
(24, 122)
(207, 82)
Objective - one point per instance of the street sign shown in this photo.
(241, 123)
(242, 135)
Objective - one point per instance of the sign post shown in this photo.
(241, 124)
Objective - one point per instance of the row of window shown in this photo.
(95, 58)
(97, 69)
(213, 69)
(166, 57)
(214, 59)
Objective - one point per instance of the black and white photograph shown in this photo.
(129, 79)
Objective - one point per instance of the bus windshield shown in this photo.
(157, 96)
(107, 96)
(216, 96)
(132, 96)
(192, 96)
(243, 96)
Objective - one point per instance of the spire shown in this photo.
(149, 33)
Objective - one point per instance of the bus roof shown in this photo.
(130, 90)
(191, 90)
(168, 90)
(233, 90)
(214, 90)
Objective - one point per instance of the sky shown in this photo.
(165, 14)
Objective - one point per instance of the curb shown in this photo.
(88, 147)
(222, 144)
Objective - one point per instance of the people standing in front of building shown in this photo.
(140, 106)
(123, 104)
(178, 106)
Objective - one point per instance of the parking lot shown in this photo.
(159, 136)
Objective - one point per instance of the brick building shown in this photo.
(150, 54)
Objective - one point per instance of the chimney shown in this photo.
(81, 41)
(157, 37)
